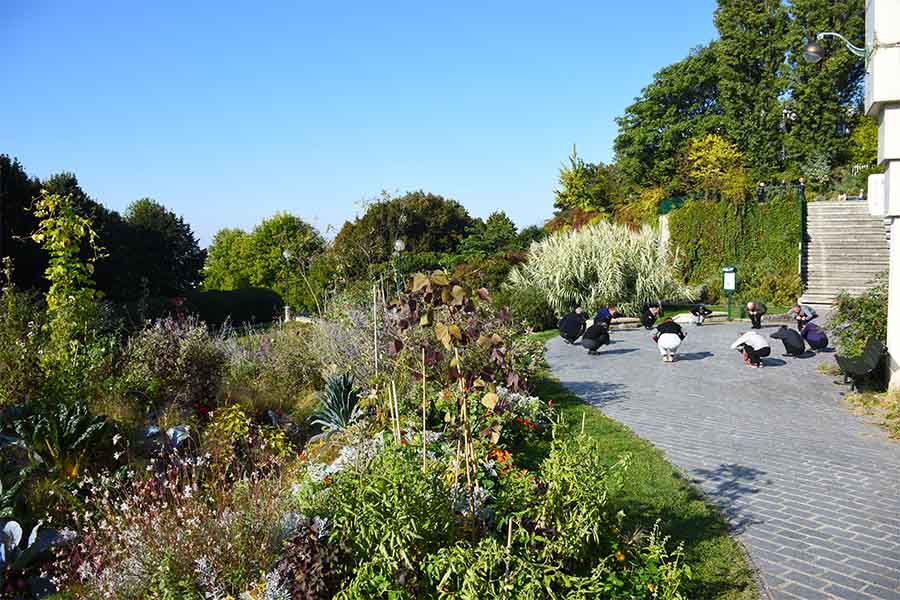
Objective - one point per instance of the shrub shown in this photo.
(174, 360)
(855, 319)
(529, 305)
(600, 265)
(248, 305)
(22, 321)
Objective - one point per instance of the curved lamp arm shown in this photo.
(860, 52)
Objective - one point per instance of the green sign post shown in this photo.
(729, 285)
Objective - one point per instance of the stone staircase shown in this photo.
(845, 249)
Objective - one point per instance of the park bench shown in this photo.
(857, 368)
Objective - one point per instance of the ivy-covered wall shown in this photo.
(760, 239)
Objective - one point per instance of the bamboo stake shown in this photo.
(582, 422)
(509, 534)
(396, 408)
(424, 400)
(375, 324)
(390, 408)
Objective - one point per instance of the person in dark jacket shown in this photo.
(668, 338)
(700, 313)
(649, 315)
(595, 336)
(815, 336)
(756, 310)
(606, 315)
(572, 325)
(803, 314)
(793, 342)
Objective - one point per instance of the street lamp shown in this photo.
(287, 307)
(399, 246)
(813, 51)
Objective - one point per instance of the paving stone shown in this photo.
(811, 488)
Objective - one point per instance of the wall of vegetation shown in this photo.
(759, 239)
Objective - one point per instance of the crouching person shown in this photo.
(668, 338)
(699, 314)
(753, 347)
(572, 325)
(792, 340)
(815, 336)
(595, 336)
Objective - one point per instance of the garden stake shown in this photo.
(395, 405)
(582, 422)
(509, 535)
(424, 400)
(375, 324)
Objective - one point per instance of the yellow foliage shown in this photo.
(716, 165)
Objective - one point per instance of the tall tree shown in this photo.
(17, 223)
(497, 234)
(425, 222)
(824, 101)
(751, 53)
(227, 261)
(584, 186)
(168, 254)
(682, 102)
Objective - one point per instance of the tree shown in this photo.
(583, 186)
(824, 99)
(750, 55)
(227, 263)
(17, 223)
(425, 222)
(497, 234)
(165, 251)
(864, 142)
(238, 259)
(682, 102)
(716, 166)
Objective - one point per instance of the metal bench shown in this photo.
(857, 368)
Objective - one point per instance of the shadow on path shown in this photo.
(694, 355)
(730, 484)
(597, 394)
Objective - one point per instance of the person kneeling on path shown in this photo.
(756, 310)
(606, 315)
(815, 336)
(793, 342)
(596, 335)
(668, 338)
(649, 315)
(700, 313)
(803, 314)
(753, 347)
(572, 325)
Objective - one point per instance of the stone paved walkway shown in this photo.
(811, 490)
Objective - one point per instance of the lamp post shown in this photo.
(882, 56)
(287, 307)
(399, 246)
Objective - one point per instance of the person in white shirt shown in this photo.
(753, 347)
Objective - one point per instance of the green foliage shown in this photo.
(864, 142)
(681, 103)
(817, 170)
(497, 234)
(238, 260)
(716, 166)
(855, 319)
(584, 186)
(425, 222)
(61, 435)
(340, 404)
(163, 248)
(22, 324)
(529, 305)
(601, 265)
(173, 361)
(750, 53)
(824, 101)
(761, 240)
(235, 307)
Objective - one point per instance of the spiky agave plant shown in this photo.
(599, 265)
(340, 404)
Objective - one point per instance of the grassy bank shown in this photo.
(656, 490)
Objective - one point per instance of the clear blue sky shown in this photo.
(227, 112)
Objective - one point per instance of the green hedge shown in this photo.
(214, 307)
(761, 240)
